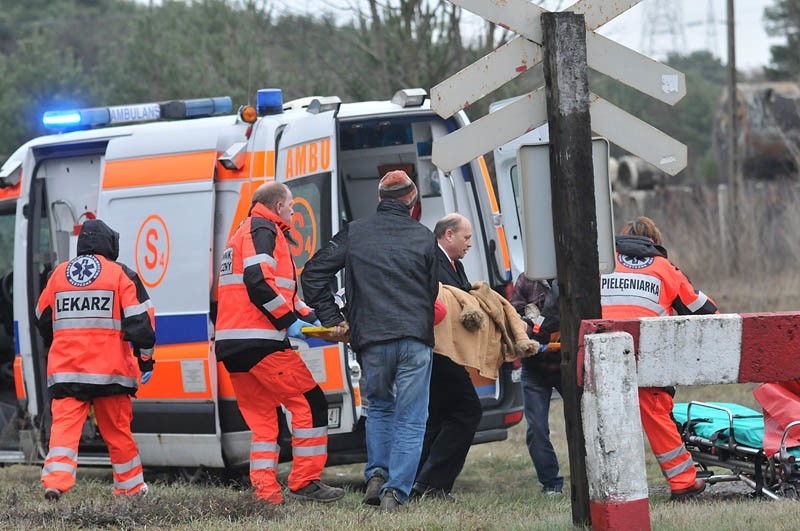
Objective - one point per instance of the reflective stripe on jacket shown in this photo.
(257, 288)
(90, 310)
(646, 284)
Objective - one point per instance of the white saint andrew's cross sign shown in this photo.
(524, 53)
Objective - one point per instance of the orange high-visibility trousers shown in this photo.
(114, 414)
(282, 378)
(655, 406)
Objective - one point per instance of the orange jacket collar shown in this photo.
(262, 211)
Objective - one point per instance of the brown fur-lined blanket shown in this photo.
(481, 329)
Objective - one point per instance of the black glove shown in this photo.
(145, 362)
(145, 366)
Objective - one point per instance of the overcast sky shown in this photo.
(752, 50)
(752, 43)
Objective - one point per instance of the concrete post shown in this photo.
(615, 464)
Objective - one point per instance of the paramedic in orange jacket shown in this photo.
(89, 313)
(258, 311)
(646, 284)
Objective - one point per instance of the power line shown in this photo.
(662, 28)
(712, 45)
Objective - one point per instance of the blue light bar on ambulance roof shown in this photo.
(77, 119)
(142, 112)
(269, 101)
(177, 109)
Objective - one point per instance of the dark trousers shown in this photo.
(454, 412)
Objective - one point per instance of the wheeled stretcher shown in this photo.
(730, 436)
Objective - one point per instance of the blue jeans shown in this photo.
(398, 374)
(537, 390)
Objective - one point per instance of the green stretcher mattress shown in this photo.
(748, 424)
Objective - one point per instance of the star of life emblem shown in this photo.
(635, 262)
(83, 270)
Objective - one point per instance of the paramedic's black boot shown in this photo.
(317, 491)
(689, 492)
(52, 495)
(372, 496)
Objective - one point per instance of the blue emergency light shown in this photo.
(269, 101)
(142, 112)
(76, 119)
(61, 118)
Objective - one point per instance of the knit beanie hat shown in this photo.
(399, 186)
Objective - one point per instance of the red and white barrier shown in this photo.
(681, 350)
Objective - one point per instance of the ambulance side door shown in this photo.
(162, 204)
(307, 163)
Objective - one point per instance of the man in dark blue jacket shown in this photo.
(391, 281)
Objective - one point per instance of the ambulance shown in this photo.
(175, 179)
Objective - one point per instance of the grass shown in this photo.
(497, 490)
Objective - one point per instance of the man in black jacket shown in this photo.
(454, 409)
(537, 302)
(391, 281)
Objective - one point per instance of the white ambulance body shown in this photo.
(175, 191)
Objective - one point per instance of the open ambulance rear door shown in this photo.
(307, 163)
(509, 194)
(60, 181)
(12, 388)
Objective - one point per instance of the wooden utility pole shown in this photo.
(574, 220)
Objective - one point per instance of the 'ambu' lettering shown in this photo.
(309, 158)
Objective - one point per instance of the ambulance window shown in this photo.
(311, 222)
(374, 134)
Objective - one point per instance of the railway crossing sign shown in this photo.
(524, 53)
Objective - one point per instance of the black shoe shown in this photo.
(52, 494)
(689, 492)
(317, 491)
(372, 495)
(389, 502)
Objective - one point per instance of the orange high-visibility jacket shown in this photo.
(257, 288)
(91, 308)
(646, 284)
